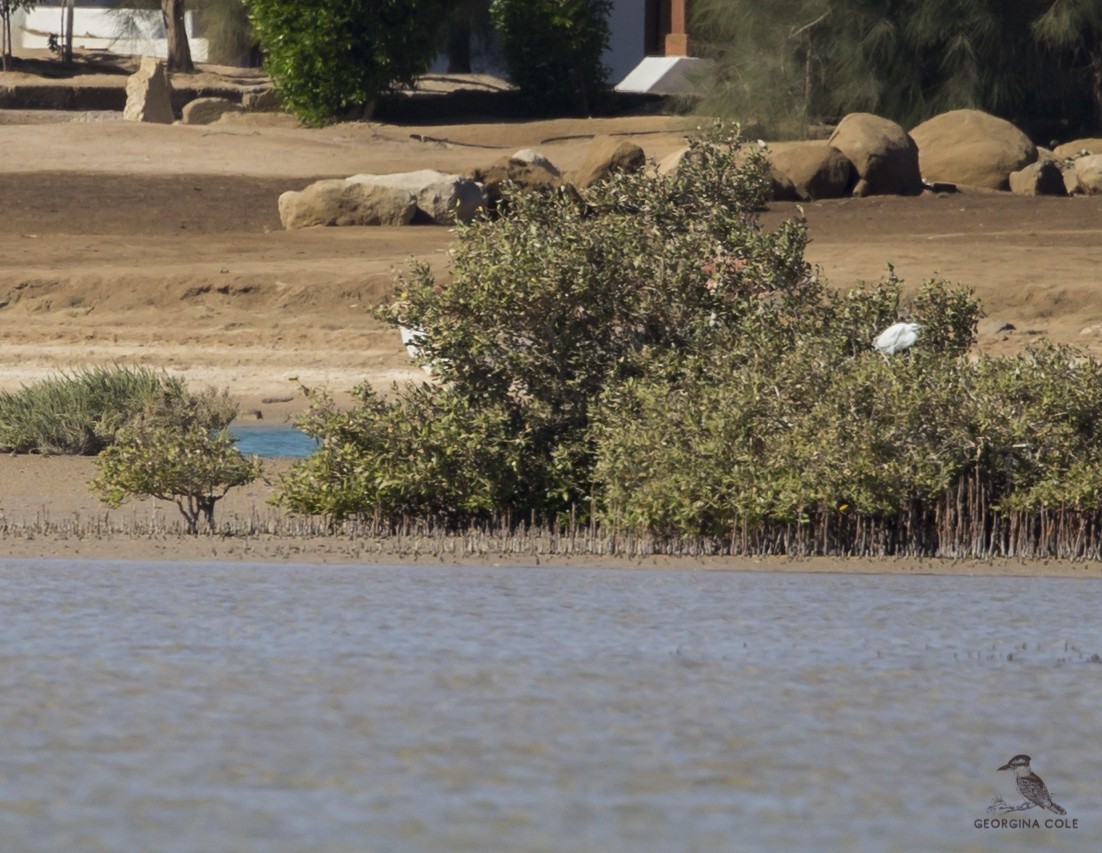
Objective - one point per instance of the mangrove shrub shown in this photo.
(179, 449)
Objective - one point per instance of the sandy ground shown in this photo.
(161, 245)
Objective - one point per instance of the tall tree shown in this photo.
(179, 51)
(768, 58)
(7, 8)
(1037, 63)
(1074, 29)
(330, 58)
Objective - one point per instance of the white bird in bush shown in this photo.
(896, 338)
(412, 338)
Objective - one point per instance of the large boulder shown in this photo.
(1045, 177)
(346, 202)
(1088, 173)
(883, 155)
(606, 155)
(814, 170)
(1077, 148)
(972, 148)
(262, 101)
(527, 174)
(208, 110)
(148, 93)
(441, 198)
(536, 158)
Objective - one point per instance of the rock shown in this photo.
(346, 202)
(208, 110)
(605, 156)
(1071, 180)
(527, 175)
(441, 198)
(533, 157)
(1077, 148)
(781, 186)
(148, 93)
(972, 148)
(669, 164)
(884, 157)
(815, 170)
(264, 101)
(1045, 177)
(1088, 174)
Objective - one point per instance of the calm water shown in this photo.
(269, 442)
(192, 707)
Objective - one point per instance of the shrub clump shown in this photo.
(177, 449)
(552, 51)
(657, 358)
(79, 413)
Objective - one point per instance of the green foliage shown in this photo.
(7, 9)
(332, 57)
(657, 357)
(1036, 62)
(543, 310)
(552, 51)
(80, 413)
(225, 25)
(430, 453)
(801, 418)
(177, 449)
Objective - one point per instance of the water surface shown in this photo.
(273, 442)
(188, 707)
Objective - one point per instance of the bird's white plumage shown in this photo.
(896, 338)
(412, 338)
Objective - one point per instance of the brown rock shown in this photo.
(814, 169)
(264, 101)
(527, 175)
(1044, 177)
(1077, 147)
(605, 156)
(208, 110)
(883, 155)
(346, 202)
(441, 198)
(972, 148)
(1088, 174)
(148, 93)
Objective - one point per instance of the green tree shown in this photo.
(179, 450)
(769, 59)
(230, 39)
(1073, 28)
(543, 309)
(333, 58)
(552, 51)
(7, 7)
(1035, 62)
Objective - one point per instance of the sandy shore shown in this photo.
(48, 512)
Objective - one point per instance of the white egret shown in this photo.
(412, 338)
(896, 338)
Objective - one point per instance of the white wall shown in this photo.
(97, 29)
(625, 49)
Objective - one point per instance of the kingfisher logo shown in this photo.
(1033, 788)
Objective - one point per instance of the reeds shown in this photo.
(937, 531)
(77, 413)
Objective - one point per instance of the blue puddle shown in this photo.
(273, 442)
